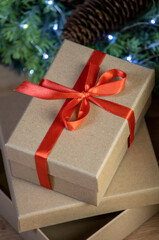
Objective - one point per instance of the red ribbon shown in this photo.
(86, 89)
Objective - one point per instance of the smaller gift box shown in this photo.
(88, 157)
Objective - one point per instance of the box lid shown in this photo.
(99, 135)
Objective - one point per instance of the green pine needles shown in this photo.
(137, 42)
(30, 33)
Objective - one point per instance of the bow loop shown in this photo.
(105, 87)
(82, 113)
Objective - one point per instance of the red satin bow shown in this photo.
(83, 93)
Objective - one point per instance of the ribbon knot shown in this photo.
(86, 89)
(85, 94)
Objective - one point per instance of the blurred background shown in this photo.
(31, 32)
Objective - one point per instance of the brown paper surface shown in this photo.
(81, 156)
(128, 221)
(68, 188)
(135, 184)
(37, 207)
(79, 229)
(115, 229)
(34, 211)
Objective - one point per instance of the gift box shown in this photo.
(86, 159)
(116, 226)
(128, 189)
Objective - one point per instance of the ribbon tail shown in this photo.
(34, 90)
(120, 111)
(55, 86)
(43, 92)
(57, 126)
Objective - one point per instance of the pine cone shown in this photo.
(94, 19)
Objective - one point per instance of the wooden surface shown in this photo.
(148, 231)
(7, 232)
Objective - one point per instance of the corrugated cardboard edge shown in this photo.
(125, 223)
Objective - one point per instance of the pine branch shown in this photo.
(152, 45)
(148, 59)
(136, 25)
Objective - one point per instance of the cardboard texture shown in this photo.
(89, 156)
(129, 219)
(37, 212)
(129, 188)
(67, 188)
(115, 227)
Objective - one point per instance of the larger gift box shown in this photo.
(116, 226)
(135, 184)
(82, 163)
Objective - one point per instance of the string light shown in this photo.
(110, 37)
(55, 27)
(153, 21)
(24, 26)
(129, 58)
(45, 56)
(50, 2)
(31, 72)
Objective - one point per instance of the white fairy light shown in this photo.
(55, 27)
(129, 58)
(31, 72)
(153, 21)
(45, 56)
(110, 37)
(24, 26)
(50, 2)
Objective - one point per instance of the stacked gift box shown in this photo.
(96, 173)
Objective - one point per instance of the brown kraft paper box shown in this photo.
(135, 184)
(128, 189)
(89, 156)
(115, 226)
